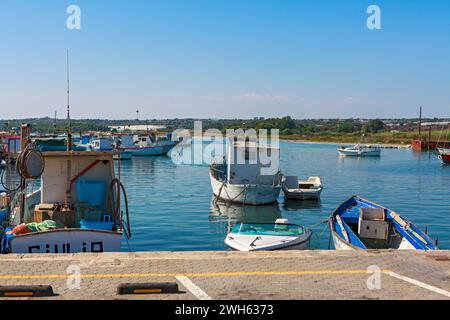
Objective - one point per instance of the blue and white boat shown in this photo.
(108, 144)
(148, 145)
(360, 224)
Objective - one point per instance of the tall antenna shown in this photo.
(68, 95)
(69, 128)
(54, 124)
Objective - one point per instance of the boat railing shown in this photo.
(116, 189)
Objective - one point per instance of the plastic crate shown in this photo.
(96, 225)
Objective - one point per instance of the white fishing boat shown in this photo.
(359, 151)
(302, 190)
(76, 209)
(244, 177)
(268, 236)
(2, 163)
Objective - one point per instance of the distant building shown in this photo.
(139, 127)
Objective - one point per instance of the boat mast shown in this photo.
(69, 129)
(420, 123)
(69, 138)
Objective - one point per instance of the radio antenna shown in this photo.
(69, 128)
(68, 95)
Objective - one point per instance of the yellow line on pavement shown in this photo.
(207, 274)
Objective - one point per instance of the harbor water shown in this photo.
(171, 204)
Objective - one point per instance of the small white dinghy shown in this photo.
(268, 236)
(302, 190)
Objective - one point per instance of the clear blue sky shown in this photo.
(225, 59)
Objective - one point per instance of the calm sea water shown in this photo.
(171, 208)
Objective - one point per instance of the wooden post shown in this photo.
(23, 184)
(23, 136)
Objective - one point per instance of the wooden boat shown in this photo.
(245, 180)
(76, 208)
(444, 155)
(302, 190)
(359, 151)
(268, 236)
(361, 224)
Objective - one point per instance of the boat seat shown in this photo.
(372, 214)
(373, 227)
(291, 182)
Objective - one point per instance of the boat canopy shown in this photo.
(268, 229)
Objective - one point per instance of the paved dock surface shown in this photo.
(238, 275)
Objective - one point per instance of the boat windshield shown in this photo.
(267, 229)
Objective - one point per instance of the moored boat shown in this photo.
(359, 151)
(268, 236)
(239, 179)
(76, 209)
(360, 224)
(302, 190)
(444, 155)
(148, 145)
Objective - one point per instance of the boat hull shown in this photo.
(146, 151)
(339, 244)
(66, 241)
(445, 158)
(302, 194)
(124, 155)
(252, 194)
(359, 153)
(291, 243)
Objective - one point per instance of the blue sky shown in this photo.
(225, 59)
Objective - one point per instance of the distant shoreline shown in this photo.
(348, 143)
(379, 145)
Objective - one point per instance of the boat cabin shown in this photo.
(74, 187)
(251, 163)
(101, 144)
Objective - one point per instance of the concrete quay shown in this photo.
(314, 274)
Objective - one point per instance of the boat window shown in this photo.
(269, 229)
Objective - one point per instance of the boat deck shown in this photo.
(238, 275)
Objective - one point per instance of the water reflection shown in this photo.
(298, 205)
(225, 215)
